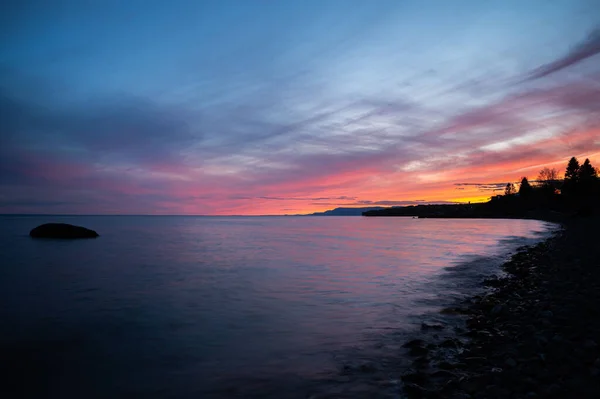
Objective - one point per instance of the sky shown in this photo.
(257, 107)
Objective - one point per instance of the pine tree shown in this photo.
(587, 172)
(588, 179)
(571, 177)
(572, 172)
(525, 188)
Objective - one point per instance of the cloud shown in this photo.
(256, 151)
(588, 48)
(28, 203)
(402, 203)
(343, 197)
(132, 129)
(485, 186)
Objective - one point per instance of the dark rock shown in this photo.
(415, 343)
(451, 366)
(418, 351)
(461, 395)
(450, 343)
(589, 344)
(421, 362)
(432, 326)
(443, 374)
(497, 309)
(472, 385)
(475, 360)
(557, 338)
(415, 391)
(452, 311)
(62, 230)
(414, 377)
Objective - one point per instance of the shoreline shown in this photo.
(534, 334)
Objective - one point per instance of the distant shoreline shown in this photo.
(484, 210)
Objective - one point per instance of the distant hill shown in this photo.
(347, 211)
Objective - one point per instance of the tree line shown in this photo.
(579, 179)
(579, 188)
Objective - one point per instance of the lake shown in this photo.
(219, 307)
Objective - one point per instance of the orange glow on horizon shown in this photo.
(412, 194)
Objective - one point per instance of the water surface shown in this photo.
(218, 307)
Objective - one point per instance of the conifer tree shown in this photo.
(572, 172)
(588, 179)
(525, 188)
(587, 171)
(571, 177)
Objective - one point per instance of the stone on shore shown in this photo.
(62, 230)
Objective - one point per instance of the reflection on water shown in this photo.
(222, 307)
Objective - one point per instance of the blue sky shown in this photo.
(221, 107)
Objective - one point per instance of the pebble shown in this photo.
(432, 326)
(414, 377)
(557, 338)
(589, 343)
(414, 343)
(418, 351)
(497, 309)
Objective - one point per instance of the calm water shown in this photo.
(211, 307)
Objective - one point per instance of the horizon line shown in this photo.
(231, 215)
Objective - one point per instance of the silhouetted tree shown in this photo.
(587, 171)
(572, 171)
(571, 177)
(510, 189)
(525, 188)
(588, 178)
(548, 177)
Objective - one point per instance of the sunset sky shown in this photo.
(283, 107)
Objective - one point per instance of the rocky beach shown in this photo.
(534, 334)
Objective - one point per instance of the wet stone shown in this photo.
(414, 377)
(589, 344)
(418, 351)
(497, 309)
(415, 343)
(432, 326)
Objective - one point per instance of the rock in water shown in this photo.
(62, 230)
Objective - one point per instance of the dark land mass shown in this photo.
(347, 211)
(503, 208)
(62, 230)
(536, 334)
